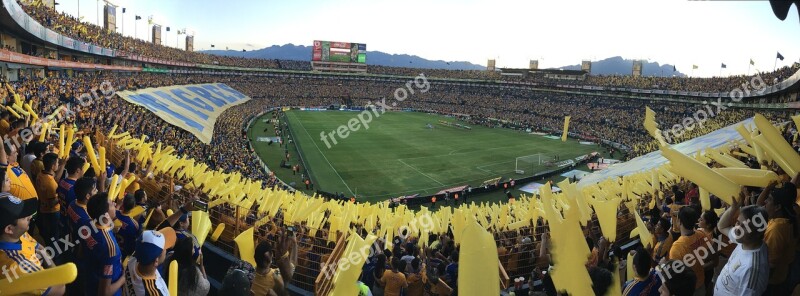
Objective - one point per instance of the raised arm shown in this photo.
(762, 198)
(728, 218)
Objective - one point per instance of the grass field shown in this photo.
(399, 155)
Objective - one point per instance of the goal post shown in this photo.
(527, 162)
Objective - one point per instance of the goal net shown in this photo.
(528, 163)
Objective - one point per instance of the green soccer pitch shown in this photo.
(399, 155)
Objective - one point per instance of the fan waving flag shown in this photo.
(724, 66)
(780, 57)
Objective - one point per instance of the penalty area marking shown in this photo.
(420, 172)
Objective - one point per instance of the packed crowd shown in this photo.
(77, 29)
(713, 84)
(408, 266)
(593, 118)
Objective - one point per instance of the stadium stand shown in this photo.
(305, 255)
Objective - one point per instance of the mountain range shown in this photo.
(610, 66)
(619, 66)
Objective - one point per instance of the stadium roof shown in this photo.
(542, 71)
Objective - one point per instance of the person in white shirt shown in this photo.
(747, 270)
(141, 275)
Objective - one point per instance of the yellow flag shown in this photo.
(201, 225)
(246, 245)
(607, 216)
(566, 129)
(478, 264)
(570, 274)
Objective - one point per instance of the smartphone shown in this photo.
(200, 205)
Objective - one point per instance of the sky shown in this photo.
(557, 33)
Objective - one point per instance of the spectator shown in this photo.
(645, 281)
(236, 283)
(781, 233)
(142, 270)
(104, 260)
(267, 280)
(663, 239)
(18, 251)
(182, 230)
(415, 279)
(601, 280)
(393, 280)
(689, 241)
(21, 185)
(129, 229)
(707, 224)
(678, 282)
(77, 216)
(65, 191)
(192, 279)
(747, 270)
(49, 208)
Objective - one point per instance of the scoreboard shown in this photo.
(340, 52)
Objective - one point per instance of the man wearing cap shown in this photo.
(104, 258)
(18, 250)
(142, 276)
(781, 233)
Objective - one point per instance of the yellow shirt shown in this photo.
(415, 285)
(46, 187)
(263, 283)
(393, 282)
(780, 243)
(20, 258)
(686, 245)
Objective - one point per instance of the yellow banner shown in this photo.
(194, 107)
(566, 128)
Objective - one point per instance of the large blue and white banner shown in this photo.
(194, 108)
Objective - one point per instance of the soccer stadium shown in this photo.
(517, 164)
